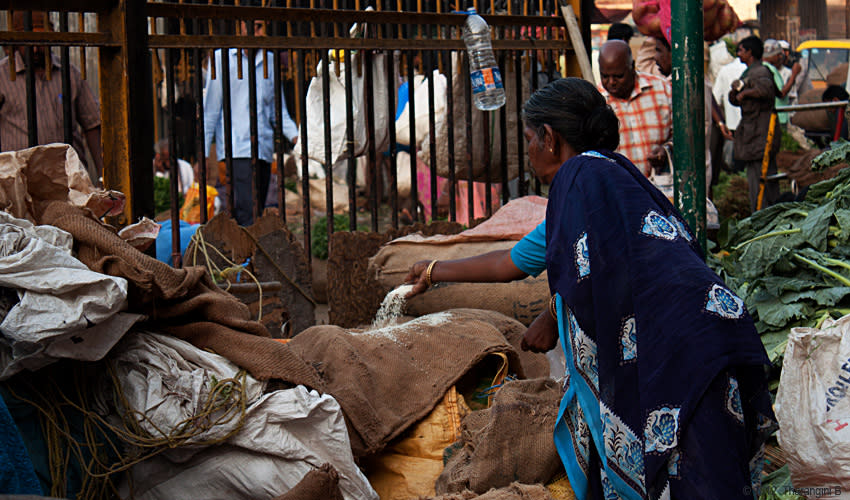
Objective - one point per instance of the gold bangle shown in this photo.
(553, 308)
(428, 271)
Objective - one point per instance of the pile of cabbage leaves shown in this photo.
(790, 262)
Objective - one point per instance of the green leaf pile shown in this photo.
(790, 263)
(838, 152)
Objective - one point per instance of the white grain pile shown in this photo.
(391, 307)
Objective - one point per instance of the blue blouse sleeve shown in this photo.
(529, 254)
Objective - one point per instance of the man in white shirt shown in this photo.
(731, 114)
(243, 202)
(162, 166)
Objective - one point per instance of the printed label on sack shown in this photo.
(486, 79)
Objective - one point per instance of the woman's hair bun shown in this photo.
(577, 111)
(600, 129)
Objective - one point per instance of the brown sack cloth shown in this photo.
(515, 491)
(321, 483)
(510, 441)
(186, 301)
(387, 379)
(534, 364)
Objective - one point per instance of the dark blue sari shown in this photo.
(666, 393)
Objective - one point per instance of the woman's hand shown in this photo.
(416, 277)
(542, 334)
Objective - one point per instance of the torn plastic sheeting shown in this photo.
(59, 298)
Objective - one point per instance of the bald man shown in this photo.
(641, 102)
(85, 112)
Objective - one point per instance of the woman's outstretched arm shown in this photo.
(491, 267)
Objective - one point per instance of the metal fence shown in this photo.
(156, 64)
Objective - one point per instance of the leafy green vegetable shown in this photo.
(838, 152)
(319, 237)
(777, 486)
(162, 195)
(790, 262)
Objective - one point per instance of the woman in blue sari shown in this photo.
(665, 392)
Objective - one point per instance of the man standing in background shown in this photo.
(731, 114)
(642, 103)
(243, 200)
(85, 112)
(755, 93)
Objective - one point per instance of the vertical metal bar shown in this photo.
(689, 114)
(503, 138)
(12, 60)
(393, 144)
(351, 174)
(238, 27)
(228, 124)
(32, 119)
(411, 102)
(210, 31)
(256, 195)
(488, 196)
(125, 108)
(432, 133)
(370, 128)
(278, 130)
(184, 61)
(329, 161)
(174, 174)
(82, 28)
(65, 58)
(301, 80)
(522, 188)
(450, 137)
(200, 146)
(467, 97)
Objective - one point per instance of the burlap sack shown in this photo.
(184, 301)
(318, 483)
(515, 491)
(387, 379)
(534, 365)
(511, 441)
(522, 300)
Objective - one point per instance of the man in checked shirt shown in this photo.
(642, 103)
(85, 111)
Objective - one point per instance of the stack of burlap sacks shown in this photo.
(405, 390)
(504, 451)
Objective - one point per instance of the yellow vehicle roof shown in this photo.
(824, 44)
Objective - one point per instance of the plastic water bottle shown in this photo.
(488, 92)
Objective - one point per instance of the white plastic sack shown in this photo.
(422, 111)
(169, 381)
(316, 117)
(285, 434)
(813, 408)
(65, 309)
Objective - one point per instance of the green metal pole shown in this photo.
(689, 113)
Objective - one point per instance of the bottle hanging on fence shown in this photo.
(488, 92)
